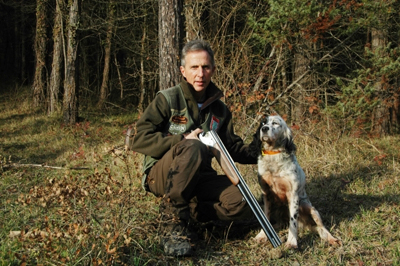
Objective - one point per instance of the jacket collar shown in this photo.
(212, 93)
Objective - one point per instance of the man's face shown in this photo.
(198, 70)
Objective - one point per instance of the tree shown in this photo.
(56, 75)
(304, 59)
(369, 100)
(193, 12)
(385, 69)
(70, 101)
(107, 55)
(170, 27)
(381, 114)
(301, 62)
(39, 83)
(285, 28)
(142, 72)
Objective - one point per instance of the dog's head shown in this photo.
(273, 135)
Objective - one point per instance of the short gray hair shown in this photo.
(197, 45)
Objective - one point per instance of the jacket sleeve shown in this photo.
(150, 138)
(234, 144)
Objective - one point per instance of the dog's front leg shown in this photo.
(293, 201)
(261, 236)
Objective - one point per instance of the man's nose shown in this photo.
(200, 72)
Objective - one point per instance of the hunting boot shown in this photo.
(175, 234)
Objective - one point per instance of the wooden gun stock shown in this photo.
(225, 164)
(228, 166)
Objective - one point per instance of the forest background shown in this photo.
(76, 73)
(306, 60)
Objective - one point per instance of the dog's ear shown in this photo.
(290, 147)
(255, 145)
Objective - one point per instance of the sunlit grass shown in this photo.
(90, 208)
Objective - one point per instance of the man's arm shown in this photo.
(239, 151)
(150, 139)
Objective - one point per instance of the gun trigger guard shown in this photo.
(207, 139)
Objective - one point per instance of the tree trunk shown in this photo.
(70, 103)
(284, 84)
(86, 67)
(193, 11)
(55, 77)
(107, 57)
(20, 43)
(299, 92)
(214, 18)
(381, 116)
(39, 83)
(142, 72)
(170, 26)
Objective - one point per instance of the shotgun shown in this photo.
(212, 140)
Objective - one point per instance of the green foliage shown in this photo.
(355, 104)
(283, 20)
(287, 20)
(358, 78)
(329, 36)
(360, 97)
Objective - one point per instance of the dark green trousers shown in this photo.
(184, 177)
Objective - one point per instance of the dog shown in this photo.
(283, 181)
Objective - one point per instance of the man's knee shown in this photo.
(233, 206)
(192, 147)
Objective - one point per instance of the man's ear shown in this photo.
(214, 68)
(182, 69)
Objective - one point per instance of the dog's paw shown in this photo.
(261, 237)
(334, 242)
(291, 245)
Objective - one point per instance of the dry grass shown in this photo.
(101, 215)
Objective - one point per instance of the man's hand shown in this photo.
(194, 134)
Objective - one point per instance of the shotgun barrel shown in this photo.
(212, 139)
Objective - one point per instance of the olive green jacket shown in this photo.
(154, 137)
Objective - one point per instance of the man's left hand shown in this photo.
(194, 134)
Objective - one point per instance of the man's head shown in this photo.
(197, 65)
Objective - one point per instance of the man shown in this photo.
(177, 164)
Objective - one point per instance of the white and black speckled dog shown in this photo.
(283, 181)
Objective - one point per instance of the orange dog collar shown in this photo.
(264, 152)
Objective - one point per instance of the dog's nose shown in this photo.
(265, 128)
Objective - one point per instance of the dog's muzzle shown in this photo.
(265, 129)
(265, 133)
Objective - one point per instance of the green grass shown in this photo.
(91, 210)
